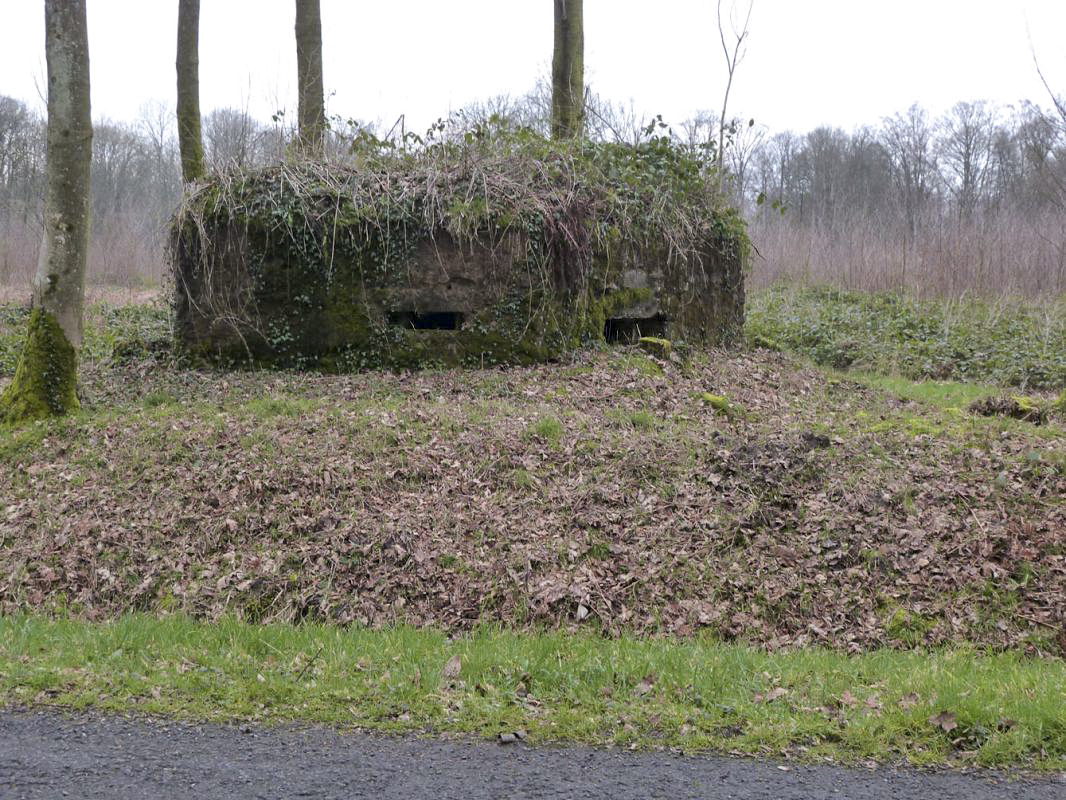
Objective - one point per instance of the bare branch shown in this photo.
(732, 58)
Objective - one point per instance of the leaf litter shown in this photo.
(818, 516)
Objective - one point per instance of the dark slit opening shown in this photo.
(627, 330)
(428, 321)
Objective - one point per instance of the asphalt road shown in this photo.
(45, 754)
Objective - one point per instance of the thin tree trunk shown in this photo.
(568, 71)
(731, 61)
(312, 106)
(190, 139)
(45, 382)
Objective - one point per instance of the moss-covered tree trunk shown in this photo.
(45, 382)
(312, 106)
(190, 139)
(568, 71)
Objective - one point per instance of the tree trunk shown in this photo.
(568, 71)
(45, 382)
(190, 140)
(312, 106)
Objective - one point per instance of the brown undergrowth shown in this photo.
(604, 493)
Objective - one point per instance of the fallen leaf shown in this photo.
(909, 701)
(644, 686)
(945, 720)
(771, 695)
(453, 667)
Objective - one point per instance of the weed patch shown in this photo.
(1006, 342)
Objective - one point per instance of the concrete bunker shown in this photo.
(314, 265)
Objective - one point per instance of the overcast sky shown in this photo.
(808, 62)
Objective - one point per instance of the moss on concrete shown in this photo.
(46, 377)
(656, 346)
(319, 266)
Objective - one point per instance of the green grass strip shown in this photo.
(956, 706)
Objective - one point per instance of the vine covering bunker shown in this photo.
(490, 247)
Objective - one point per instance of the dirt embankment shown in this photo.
(605, 492)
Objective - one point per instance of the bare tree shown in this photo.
(1057, 101)
(190, 140)
(613, 122)
(155, 126)
(15, 124)
(965, 152)
(774, 165)
(312, 106)
(45, 382)
(908, 138)
(232, 138)
(21, 188)
(822, 165)
(733, 56)
(1057, 123)
(118, 156)
(568, 71)
(748, 140)
(21, 161)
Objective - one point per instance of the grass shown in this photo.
(1002, 341)
(942, 394)
(548, 429)
(811, 704)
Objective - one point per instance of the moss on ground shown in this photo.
(716, 401)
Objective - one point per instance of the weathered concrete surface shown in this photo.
(362, 295)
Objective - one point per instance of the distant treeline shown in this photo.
(974, 200)
(971, 201)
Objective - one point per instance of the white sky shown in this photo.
(809, 62)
